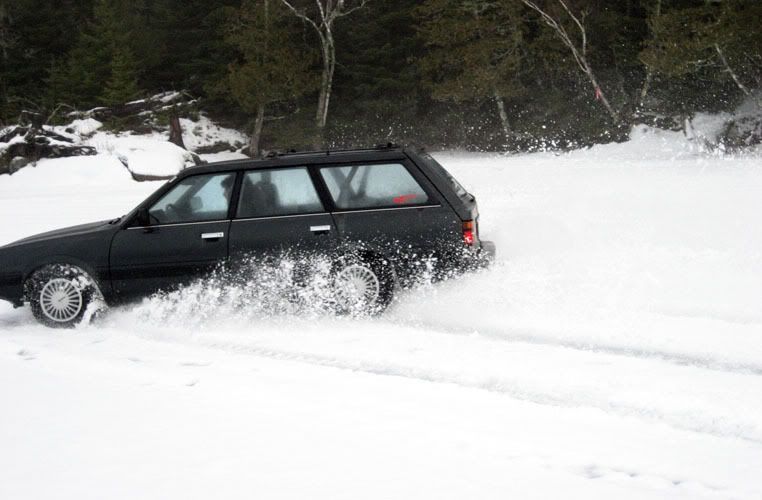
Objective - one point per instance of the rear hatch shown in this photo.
(463, 202)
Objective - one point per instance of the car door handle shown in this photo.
(320, 229)
(212, 236)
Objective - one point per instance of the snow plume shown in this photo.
(282, 287)
(257, 289)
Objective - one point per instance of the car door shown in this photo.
(187, 236)
(280, 212)
(389, 206)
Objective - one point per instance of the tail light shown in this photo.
(469, 232)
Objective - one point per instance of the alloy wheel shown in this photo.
(357, 286)
(61, 300)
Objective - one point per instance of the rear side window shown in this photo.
(270, 193)
(373, 186)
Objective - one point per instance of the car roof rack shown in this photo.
(329, 152)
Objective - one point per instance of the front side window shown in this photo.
(196, 199)
(373, 186)
(280, 192)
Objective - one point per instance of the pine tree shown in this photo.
(378, 88)
(195, 54)
(271, 69)
(475, 51)
(89, 63)
(34, 34)
(122, 85)
(705, 50)
(101, 52)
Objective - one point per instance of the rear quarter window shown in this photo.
(438, 169)
(373, 186)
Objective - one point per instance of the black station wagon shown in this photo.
(375, 213)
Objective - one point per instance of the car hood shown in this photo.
(78, 230)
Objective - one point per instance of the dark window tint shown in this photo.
(195, 199)
(373, 186)
(270, 193)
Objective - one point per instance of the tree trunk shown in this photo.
(326, 82)
(32, 118)
(330, 11)
(598, 91)
(256, 134)
(6, 37)
(646, 87)
(176, 131)
(649, 72)
(503, 116)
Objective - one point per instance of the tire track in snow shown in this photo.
(538, 338)
(709, 424)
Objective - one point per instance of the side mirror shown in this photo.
(143, 219)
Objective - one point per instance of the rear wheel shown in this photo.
(61, 295)
(363, 286)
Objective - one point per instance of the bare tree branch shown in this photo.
(300, 15)
(733, 74)
(578, 53)
(328, 12)
(56, 110)
(649, 70)
(342, 13)
(579, 24)
(322, 12)
(730, 71)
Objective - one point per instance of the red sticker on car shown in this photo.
(405, 198)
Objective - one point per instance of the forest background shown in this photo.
(498, 75)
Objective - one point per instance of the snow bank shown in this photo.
(64, 192)
(144, 156)
(151, 155)
(85, 127)
(204, 132)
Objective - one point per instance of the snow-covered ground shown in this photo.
(613, 351)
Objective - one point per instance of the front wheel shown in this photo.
(363, 286)
(61, 295)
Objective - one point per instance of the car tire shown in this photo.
(363, 286)
(61, 295)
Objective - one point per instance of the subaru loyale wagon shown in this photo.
(375, 212)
